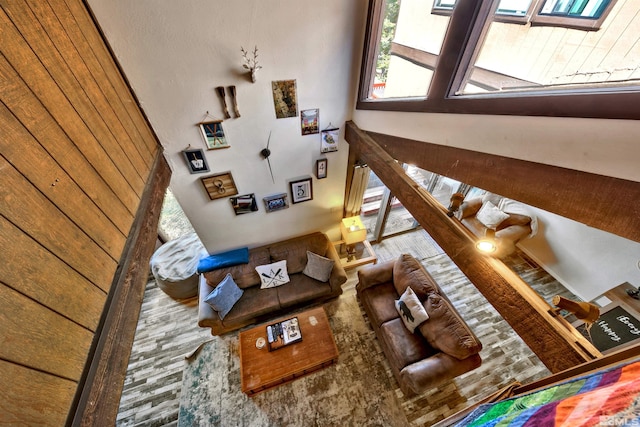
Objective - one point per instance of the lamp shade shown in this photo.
(353, 230)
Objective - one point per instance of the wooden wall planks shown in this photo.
(31, 386)
(76, 164)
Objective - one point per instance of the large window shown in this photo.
(571, 58)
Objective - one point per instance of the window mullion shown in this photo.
(462, 31)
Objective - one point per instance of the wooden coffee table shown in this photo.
(261, 369)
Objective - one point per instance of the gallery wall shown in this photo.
(174, 55)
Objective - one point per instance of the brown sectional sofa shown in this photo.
(440, 349)
(258, 305)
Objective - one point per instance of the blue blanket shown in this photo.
(224, 259)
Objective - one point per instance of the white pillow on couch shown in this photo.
(490, 216)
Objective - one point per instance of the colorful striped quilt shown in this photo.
(606, 398)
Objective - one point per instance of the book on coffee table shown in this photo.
(283, 333)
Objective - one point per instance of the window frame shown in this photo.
(467, 27)
(568, 21)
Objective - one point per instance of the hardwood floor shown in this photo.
(167, 331)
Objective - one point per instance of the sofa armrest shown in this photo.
(207, 316)
(338, 275)
(469, 208)
(435, 370)
(376, 274)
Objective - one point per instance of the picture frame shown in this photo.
(301, 190)
(196, 161)
(285, 98)
(244, 204)
(321, 168)
(329, 140)
(275, 202)
(219, 185)
(309, 121)
(213, 134)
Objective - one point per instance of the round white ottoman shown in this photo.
(174, 265)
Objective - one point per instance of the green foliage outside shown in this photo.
(386, 37)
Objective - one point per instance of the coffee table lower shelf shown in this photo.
(261, 369)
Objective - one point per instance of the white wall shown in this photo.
(175, 53)
(586, 260)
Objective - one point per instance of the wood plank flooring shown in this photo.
(167, 331)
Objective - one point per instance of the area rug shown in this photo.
(360, 389)
(355, 391)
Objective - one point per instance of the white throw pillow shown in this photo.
(490, 216)
(272, 275)
(411, 310)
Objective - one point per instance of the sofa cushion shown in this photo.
(410, 309)
(490, 215)
(407, 271)
(318, 267)
(301, 289)
(447, 331)
(403, 347)
(224, 296)
(380, 300)
(244, 275)
(294, 251)
(255, 302)
(273, 275)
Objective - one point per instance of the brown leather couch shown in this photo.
(440, 349)
(257, 305)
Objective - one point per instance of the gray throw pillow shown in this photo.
(318, 267)
(224, 296)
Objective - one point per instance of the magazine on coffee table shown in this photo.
(283, 333)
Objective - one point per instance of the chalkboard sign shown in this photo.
(614, 328)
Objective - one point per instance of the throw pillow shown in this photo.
(318, 267)
(272, 275)
(224, 296)
(490, 216)
(411, 310)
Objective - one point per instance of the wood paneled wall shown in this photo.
(76, 157)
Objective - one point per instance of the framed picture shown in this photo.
(321, 168)
(213, 134)
(329, 140)
(285, 98)
(301, 190)
(219, 185)
(195, 160)
(309, 121)
(244, 204)
(276, 202)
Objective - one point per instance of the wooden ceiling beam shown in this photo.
(603, 202)
(558, 345)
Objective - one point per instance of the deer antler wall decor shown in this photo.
(251, 64)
